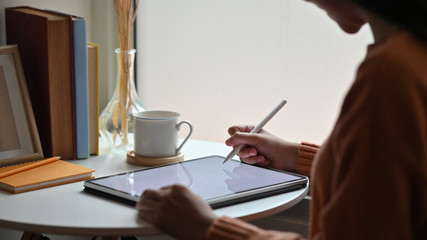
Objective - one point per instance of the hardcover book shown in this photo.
(93, 75)
(44, 39)
(81, 97)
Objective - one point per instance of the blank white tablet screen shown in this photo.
(208, 178)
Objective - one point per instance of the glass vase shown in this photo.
(115, 121)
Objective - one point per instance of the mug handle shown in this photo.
(178, 126)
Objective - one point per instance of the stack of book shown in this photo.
(61, 71)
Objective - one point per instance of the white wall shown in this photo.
(224, 62)
(104, 32)
(229, 61)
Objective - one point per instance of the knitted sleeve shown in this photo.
(225, 228)
(306, 154)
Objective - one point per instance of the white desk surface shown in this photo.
(66, 209)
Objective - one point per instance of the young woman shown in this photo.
(369, 179)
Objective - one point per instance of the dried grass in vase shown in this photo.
(125, 17)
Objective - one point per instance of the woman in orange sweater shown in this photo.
(369, 179)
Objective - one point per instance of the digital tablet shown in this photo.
(219, 184)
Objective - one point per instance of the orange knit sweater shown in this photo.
(369, 179)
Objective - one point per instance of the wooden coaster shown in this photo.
(134, 159)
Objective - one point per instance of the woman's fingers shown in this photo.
(240, 128)
(257, 160)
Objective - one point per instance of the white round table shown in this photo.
(67, 210)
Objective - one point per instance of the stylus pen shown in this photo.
(256, 129)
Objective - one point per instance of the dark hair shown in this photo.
(407, 14)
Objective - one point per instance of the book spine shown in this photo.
(81, 97)
(61, 88)
(93, 76)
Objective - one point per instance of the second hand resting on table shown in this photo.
(179, 212)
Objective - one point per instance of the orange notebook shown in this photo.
(31, 176)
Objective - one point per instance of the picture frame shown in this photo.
(19, 138)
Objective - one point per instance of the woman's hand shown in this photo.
(176, 211)
(263, 148)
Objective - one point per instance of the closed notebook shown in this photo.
(51, 174)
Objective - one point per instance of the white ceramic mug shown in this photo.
(156, 133)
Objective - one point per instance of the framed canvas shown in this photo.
(19, 138)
